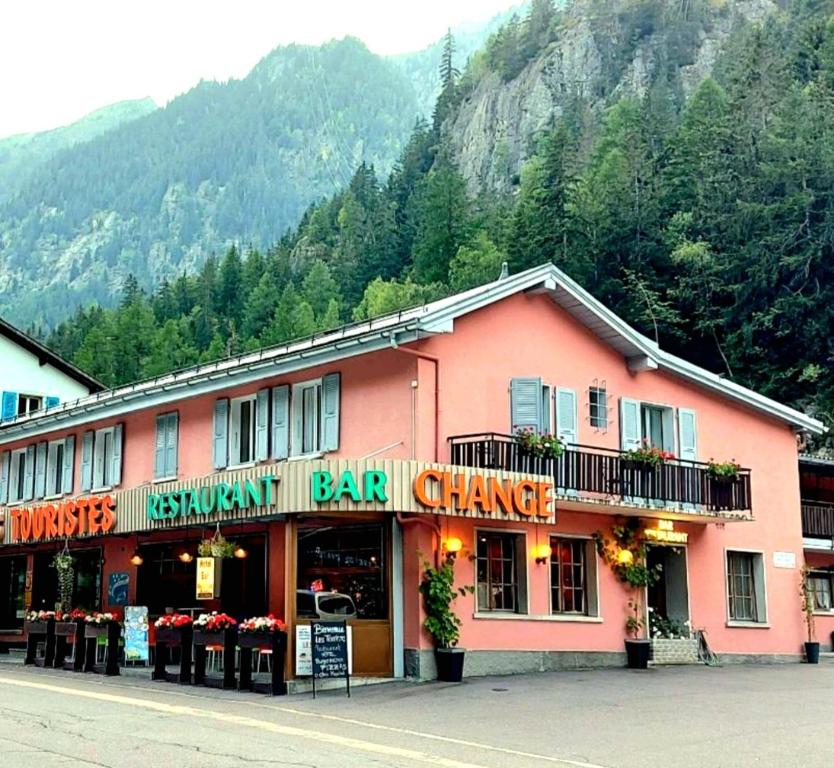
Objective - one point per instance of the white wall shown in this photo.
(21, 372)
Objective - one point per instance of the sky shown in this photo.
(60, 60)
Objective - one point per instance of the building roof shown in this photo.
(392, 330)
(48, 357)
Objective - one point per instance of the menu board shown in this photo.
(136, 633)
(330, 649)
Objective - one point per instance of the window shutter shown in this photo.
(221, 432)
(172, 445)
(87, 461)
(29, 474)
(281, 422)
(159, 446)
(547, 423)
(40, 471)
(8, 410)
(5, 462)
(116, 465)
(51, 402)
(566, 417)
(525, 403)
(687, 435)
(629, 424)
(330, 386)
(69, 464)
(262, 425)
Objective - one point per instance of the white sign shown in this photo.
(304, 650)
(784, 560)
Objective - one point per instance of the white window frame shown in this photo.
(234, 429)
(759, 587)
(56, 491)
(828, 576)
(669, 409)
(597, 421)
(592, 593)
(17, 470)
(101, 462)
(522, 575)
(38, 403)
(297, 418)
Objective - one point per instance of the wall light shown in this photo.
(625, 557)
(452, 546)
(136, 558)
(240, 553)
(542, 553)
(185, 556)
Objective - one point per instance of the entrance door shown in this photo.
(668, 597)
(344, 572)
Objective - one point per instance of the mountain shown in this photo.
(22, 153)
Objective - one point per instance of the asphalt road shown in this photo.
(684, 716)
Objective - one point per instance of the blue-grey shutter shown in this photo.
(546, 427)
(159, 446)
(8, 410)
(5, 463)
(526, 404)
(629, 424)
(262, 425)
(29, 474)
(221, 433)
(687, 437)
(172, 444)
(330, 386)
(87, 461)
(69, 464)
(52, 402)
(281, 422)
(567, 427)
(40, 471)
(116, 460)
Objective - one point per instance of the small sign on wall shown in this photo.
(117, 587)
(208, 578)
(784, 560)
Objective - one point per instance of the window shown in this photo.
(12, 582)
(165, 450)
(55, 468)
(306, 407)
(498, 578)
(28, 404)
(17, 476)
(819, 586)
(243, 430)
(745, 586)
(568, 576)
(598, 399)
(657, 423)
(103, 459)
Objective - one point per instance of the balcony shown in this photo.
(584, 476)
(818, 521)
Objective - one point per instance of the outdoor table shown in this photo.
(277, 643)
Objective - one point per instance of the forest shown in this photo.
(706, 223)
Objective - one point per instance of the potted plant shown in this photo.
(646, 456)
(542, 446)
(64, 565)
(40, 628)
(217, 546)
(218, 630)
(69, 628)
(102, 624)
(264, 633)
(812, 647)
(442, 623)
(625, 554)
(723, 471)
(173, 630)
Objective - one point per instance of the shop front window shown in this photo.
(86, 591)
(342, 572)
(12, 585)
(498, 582)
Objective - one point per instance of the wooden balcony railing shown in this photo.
(817, 519)
(600, 473)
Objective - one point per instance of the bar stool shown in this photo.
(214, 657)
(264, 652)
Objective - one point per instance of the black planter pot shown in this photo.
(812, 653)
(637, 653)
(449, 664)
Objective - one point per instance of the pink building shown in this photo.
(387, 408)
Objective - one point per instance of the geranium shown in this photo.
(213, 622)
(76, 614)
(100, 619)
(173, 621)
(724, 470)
(44, 615)
(649, 455)
(543, 446)
(263, 624)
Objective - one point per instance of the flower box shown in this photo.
(69, 633)
(227, 640)
(276, 642)
(112, 631)
(173, 637)
(37, 632)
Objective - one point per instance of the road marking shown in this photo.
(250, 722)
(564, 761)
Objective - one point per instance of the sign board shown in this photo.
(208, 578)
(117, 585)
(666, 533)
(303, 650)
(784, 560)
(330, 651)
(136, 633)
(221, 497)
(78, 517)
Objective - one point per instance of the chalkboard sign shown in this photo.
(117, 584)
(330, 651)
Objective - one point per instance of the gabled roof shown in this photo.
(47, 356)
(398, 328)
